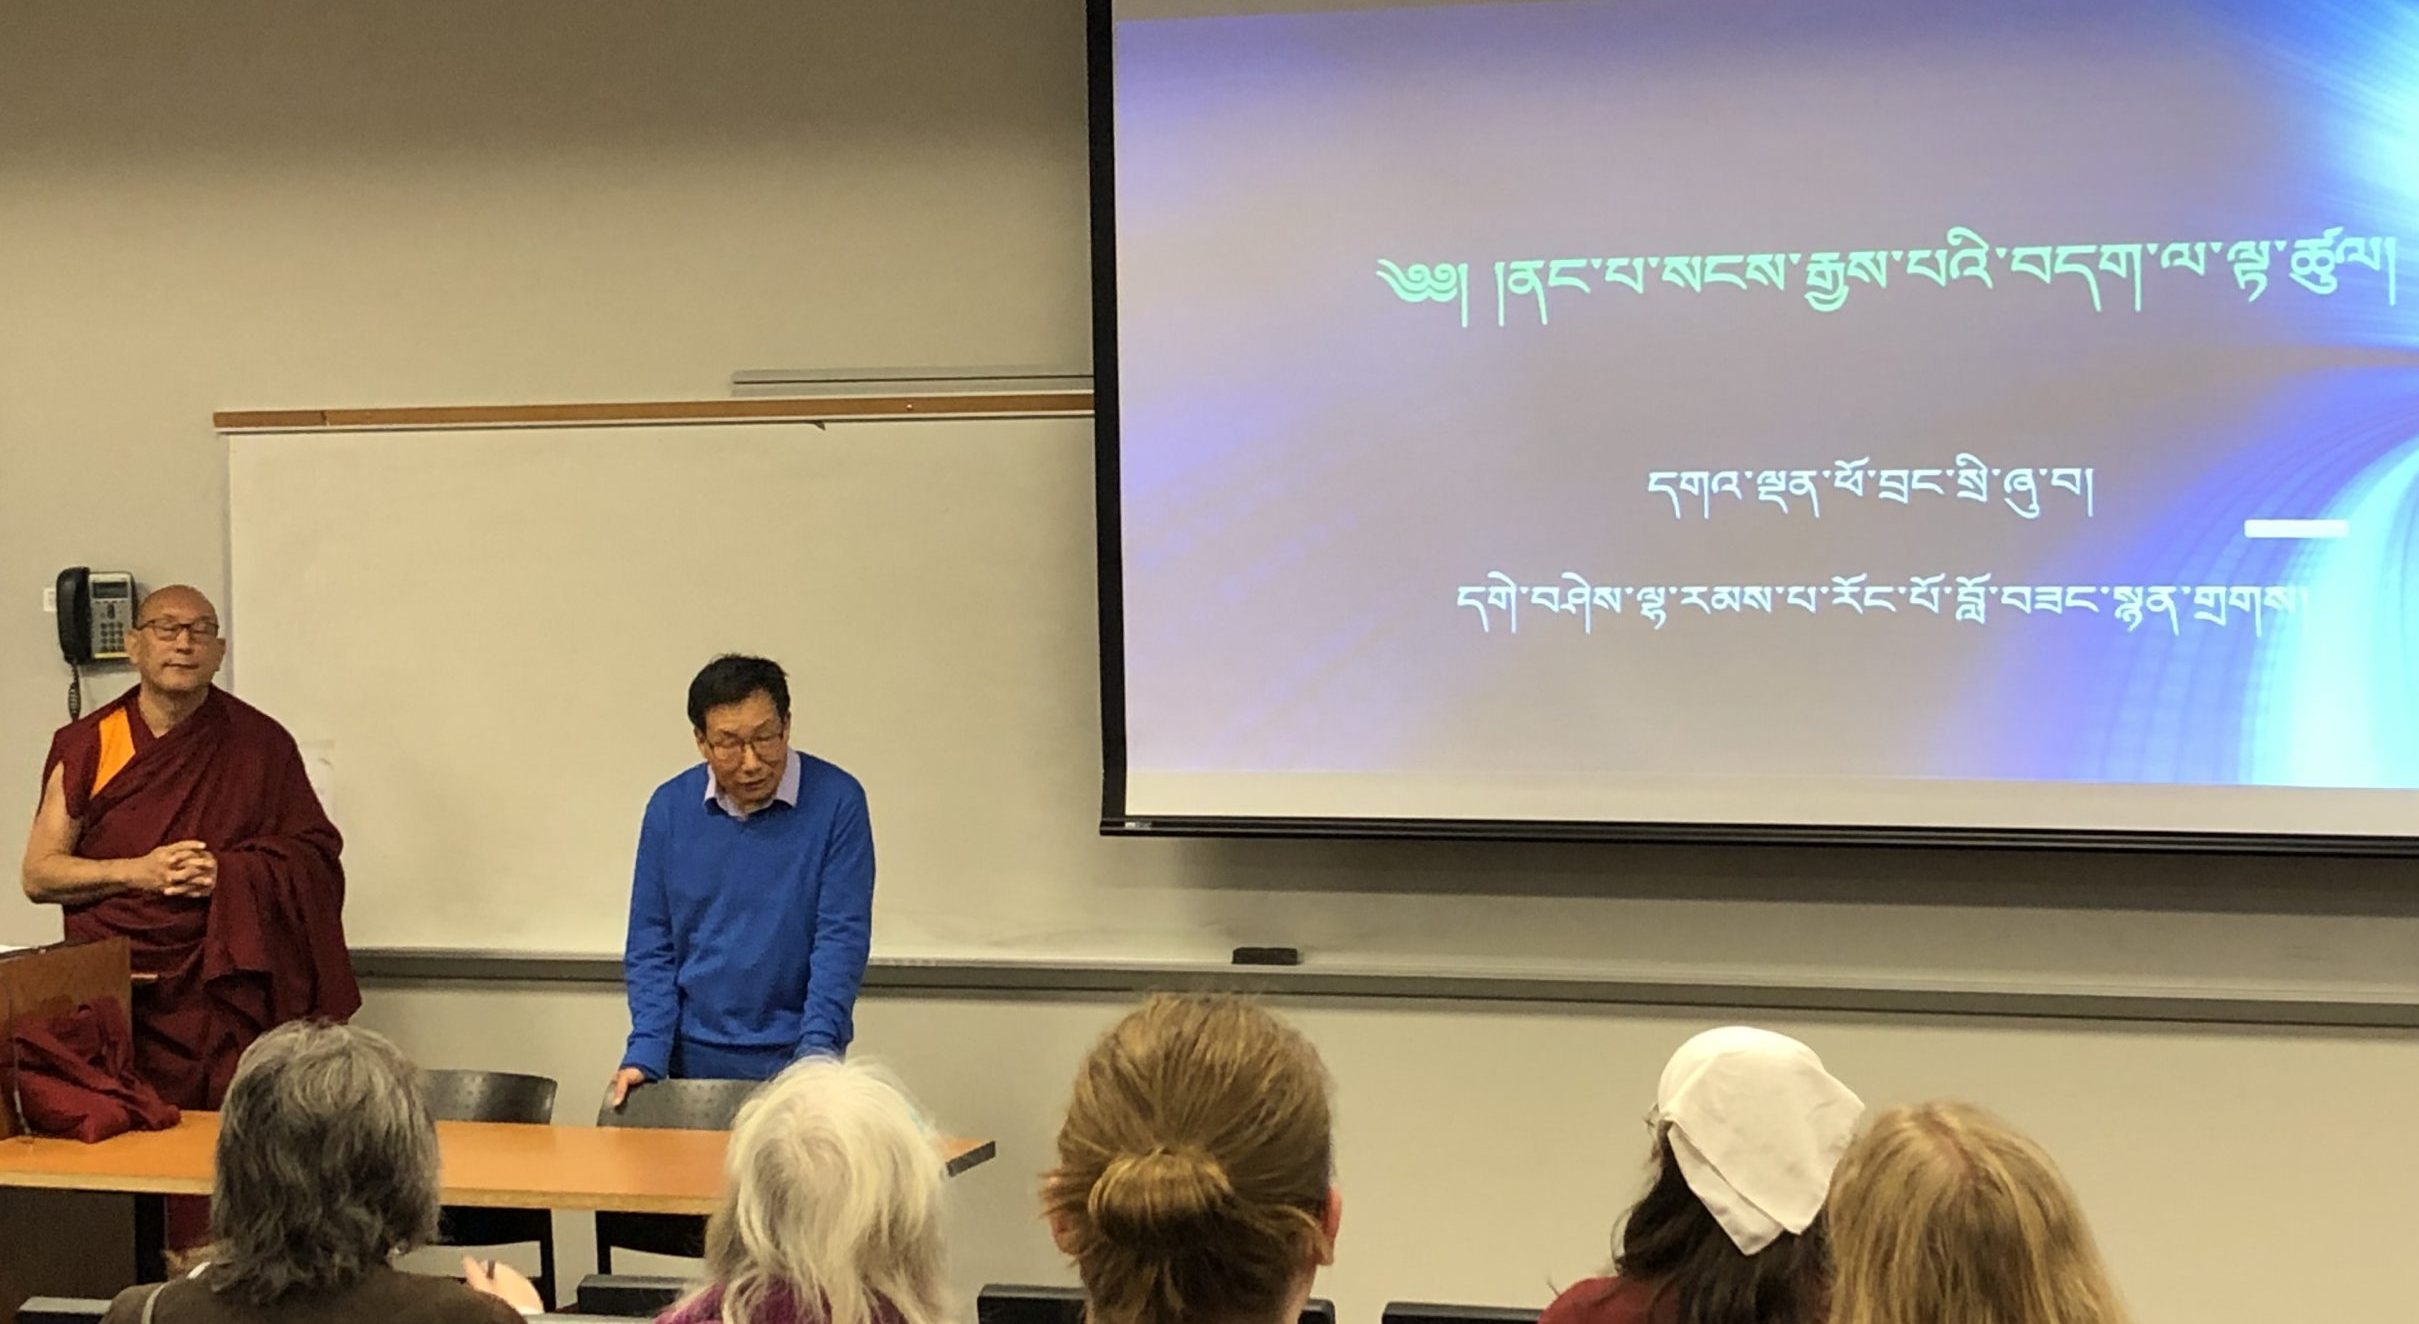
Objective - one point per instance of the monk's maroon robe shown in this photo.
(267, 945)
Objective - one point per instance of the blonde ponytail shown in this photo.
(1194, 1165)
(1158, 1194)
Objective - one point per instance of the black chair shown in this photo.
(1022, 1303)
(1018, 1303)
(76, 1310)
(1427, 1312)
(672, 1105)
(627, 1296)
(495, 1096)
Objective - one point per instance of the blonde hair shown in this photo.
(1943, 1212)
(1195, 1164)
(833, 1196)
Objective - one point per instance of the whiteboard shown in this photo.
(483, 638)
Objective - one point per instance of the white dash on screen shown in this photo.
(2297, 528)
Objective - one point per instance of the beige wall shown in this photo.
(410, 201)
(285, 203)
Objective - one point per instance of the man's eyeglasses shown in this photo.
(166, 632)
(726, 749)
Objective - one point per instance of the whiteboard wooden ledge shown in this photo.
(1128, 978)
(634, 413)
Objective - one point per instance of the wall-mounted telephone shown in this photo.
(96, 611)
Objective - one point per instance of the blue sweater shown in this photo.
(749, 933)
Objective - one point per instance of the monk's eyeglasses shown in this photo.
(167, 631)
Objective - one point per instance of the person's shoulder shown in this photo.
(688, 783)
(127, 1306)
(703, 1307)
(821, 777)
(1597, 1301)
(249, 721)
(87, 729)
(180, 1300)
(395, 1297)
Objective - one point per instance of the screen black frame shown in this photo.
(1115, 820)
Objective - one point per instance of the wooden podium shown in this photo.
(58, 1243)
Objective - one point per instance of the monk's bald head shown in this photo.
(176, 643)
(181, 600)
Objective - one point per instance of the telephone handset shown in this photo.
(96, 611)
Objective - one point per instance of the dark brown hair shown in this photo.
(1671, 1245)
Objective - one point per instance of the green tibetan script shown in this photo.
(2109, 273)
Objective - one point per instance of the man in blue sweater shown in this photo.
(752, 907)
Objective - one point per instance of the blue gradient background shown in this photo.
(1309, 467)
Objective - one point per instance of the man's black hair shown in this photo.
(732, 678)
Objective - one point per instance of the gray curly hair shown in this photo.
(327, 1164)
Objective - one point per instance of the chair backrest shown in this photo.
(627, 1296)
(77, 1310)
(1428, 1312)
(681, 1105)
(488, 1096)
(1018, 1303)
(61, 1310)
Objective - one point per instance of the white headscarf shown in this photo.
(1757, 1126)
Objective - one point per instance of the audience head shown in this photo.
(1195, 1169)
(1943, 1212)
(327, 1164)
(833, 1199)
(1748, 1127)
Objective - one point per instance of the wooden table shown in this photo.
(495, 1164)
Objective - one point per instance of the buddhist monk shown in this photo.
(180, 818)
